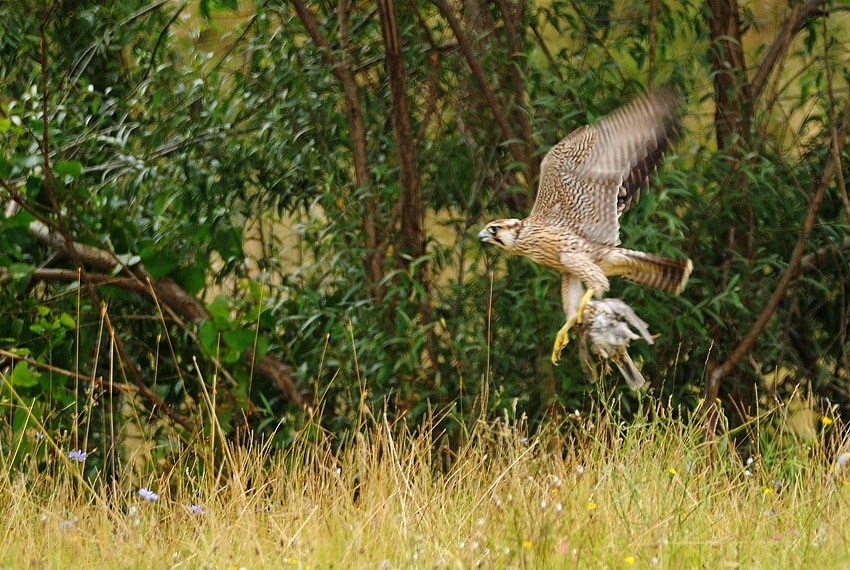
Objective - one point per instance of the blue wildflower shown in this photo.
(148, 495)
(198, 510)
(79, 455)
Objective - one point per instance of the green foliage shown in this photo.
(173, 157)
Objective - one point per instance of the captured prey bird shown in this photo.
(605, 327)
(586, 182)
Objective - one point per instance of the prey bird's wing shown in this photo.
(592, 176)
(622, 309)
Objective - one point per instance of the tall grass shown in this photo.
(584, 492)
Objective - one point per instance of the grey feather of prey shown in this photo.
(607, 329)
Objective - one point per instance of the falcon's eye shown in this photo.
(493, 229)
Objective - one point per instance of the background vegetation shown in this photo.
(267, 212)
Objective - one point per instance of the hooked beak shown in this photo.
(484, 236)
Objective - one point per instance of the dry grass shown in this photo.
(644, 494)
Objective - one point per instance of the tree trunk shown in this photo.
(342, 69)
(731, 91)
(412, 231)
(732, 128)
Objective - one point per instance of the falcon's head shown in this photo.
(503, 233)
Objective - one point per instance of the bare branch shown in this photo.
(546, 51)
(71, 275)
(790, 26)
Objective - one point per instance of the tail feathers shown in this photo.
(630, 372)
(663, 273)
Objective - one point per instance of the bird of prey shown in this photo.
(586, 182)
(605, 327)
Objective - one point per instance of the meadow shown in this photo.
(588, 491)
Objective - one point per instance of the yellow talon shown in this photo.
(587, 296)
(561, 340)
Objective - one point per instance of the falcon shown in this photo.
(587, 181)
(606, 327)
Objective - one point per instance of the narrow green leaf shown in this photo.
(28, 161)
(67, 321)
(128, 259)
(160, 264)
(262, 347)
(34, 185)
(192, 278)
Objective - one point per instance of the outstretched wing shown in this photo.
(589, 178)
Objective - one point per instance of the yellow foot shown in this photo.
(587, 296)
(561, 340)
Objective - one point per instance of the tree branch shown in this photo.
(520, 114)
(163, 291)
(794, 265)
(789, 27)
(835, 147)
(546, 51)
(126, 363)
(69, 373)
(344, 73)
(478, 72)
(733, 103)
(160, 38)
(412, 232)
